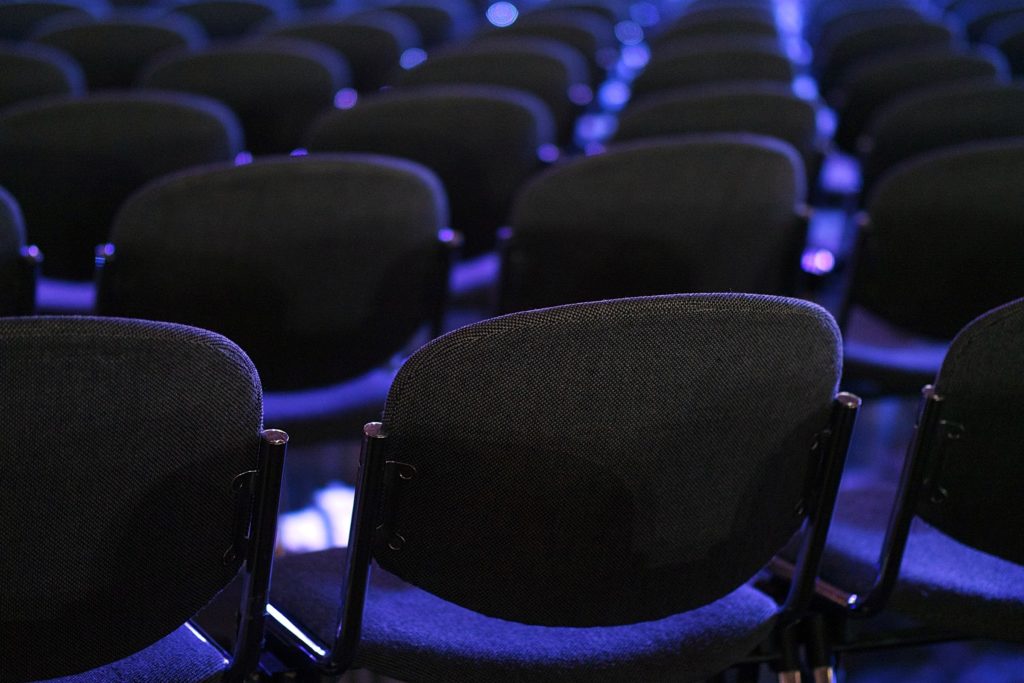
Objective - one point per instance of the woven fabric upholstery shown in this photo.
(702, 61)
(229, 18)
(277, 86)
(18, 19)
(763, 108)
(318, 266)
(707, 213)
(606, 463)
(1008, 35)
(980, 382)
(33, 71)
(112, 51)
(123, 440)
(12, 239)
(371, 42)
(943, 116)
(71, 162)
(412, 635)
(545, 68)
(878, 82)
(482, 141)
(945, 243)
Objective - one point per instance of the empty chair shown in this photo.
(159, 487)
(229, 18)
(277, 86)
(716, 60)
(71, 162)
(482, 141)
(931, 118)
(820, 14)
(17, 261)
(858, 17)
(876, 83)
(704, 213)
(33, 71)
(954, 212)
(979, 16)
(321, 267)
(372, 43)
(112, 51)
(553, 72)
(626, 537)
(438, 21)
(1008, 35)
(19, 18)
(721, 21)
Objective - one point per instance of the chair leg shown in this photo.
(819, 650)
(787, 664)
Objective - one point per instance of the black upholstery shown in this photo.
(1008, 35)
(438, 21)
(32, 71)
(16, 281)
(722, 21)
(18, 19)
(229, 18)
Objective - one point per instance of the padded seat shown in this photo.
(31, 71)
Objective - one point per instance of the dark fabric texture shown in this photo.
(229, 18)
(123, 440)
(877, 82)
(482, 142)
(944, 244)
(112, 51)
(32, 71)
(371, 42)
(878, 12)
(543, 67)
(178, 658)
(18, 19)
(942, 582)
(705, 213)
(412, 635)
(72, 161)
(1008, 35)
(980, 383)
(943, 116)
(277, 86)
(12, 270)
(721, 21)
(438, 21)
(320, 267)
(702, 61)
(606, 463)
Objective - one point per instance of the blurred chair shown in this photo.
(438, 21)
(1008, 36)
(136, 484)
(34, 71)
(979, 15)
(702, 213)
(19, 18)
(18, 262)
(230, 18)
(277, 86)
(482, 141)
(112, 51)
(553, 522)
(72, 161)
(322, 268)
(858, 17)
(724, 21)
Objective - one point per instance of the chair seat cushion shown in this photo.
(413, 635)
(879, 358)
(942, 583)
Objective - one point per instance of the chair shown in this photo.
(18, 262)
(229, 18)
(702, 213)
(72, 161)
(35, 71)
(954, 212)
(112, 51)
(482, 141)
(321, 267)
(136, 484)
(857, 16)
(19, 18)
(544, 518)
(438, 21)
(1008, 36)
(277, 86)
(979, 16)
(723, 22)
(943, 116)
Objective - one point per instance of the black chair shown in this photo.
(230, 18)
(857, 16)
(721, 21)
(18, 19)
(277, 86)
(34, 71)
(702, 213)
(322, 268)
(136, 484)
(482, 141)
(438, 21)
(940, 244)
(554, 522)
(18, 262)
(72, 161)
(1008, 35)
(112, 51)
(978, 16)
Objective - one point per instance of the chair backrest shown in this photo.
(721, 21)
(123, 442)
(932, 118)
(704, 213)
(1008, 35)
(14, 278)
(34, 71)
(277, 86)
(978, 460)
(438, 21)
(18, 19)
(860, 17)
(482, 141)
(320, 267)
(944, 242)
(605, 463)
(229, 18)
(71, 162)
(978, 17)
(112, 51)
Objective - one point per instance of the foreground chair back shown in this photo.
(33, 71)
(559, 521)
(18, 262)
(136, 484)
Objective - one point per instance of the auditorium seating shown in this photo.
(18, 262)
(229, 18)
(35, 71)
(19, 18)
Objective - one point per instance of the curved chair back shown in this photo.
(229, 18)
(17, 276)
(71, 162)
(320, 267)
(19, 18)
(438, 21)
(34, 71)
(744, 20)
(1008, 35)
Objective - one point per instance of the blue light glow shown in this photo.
(412, 57)
(636, 56)
(299, 152)
(645, 13)
(613, 95)
(243, 158)
(593, 148)
(345, 98)
(276, 615)
(818, 261)
(581, 94)
(805, 88)
(629, 32)
(502, 14)
(548, 153)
